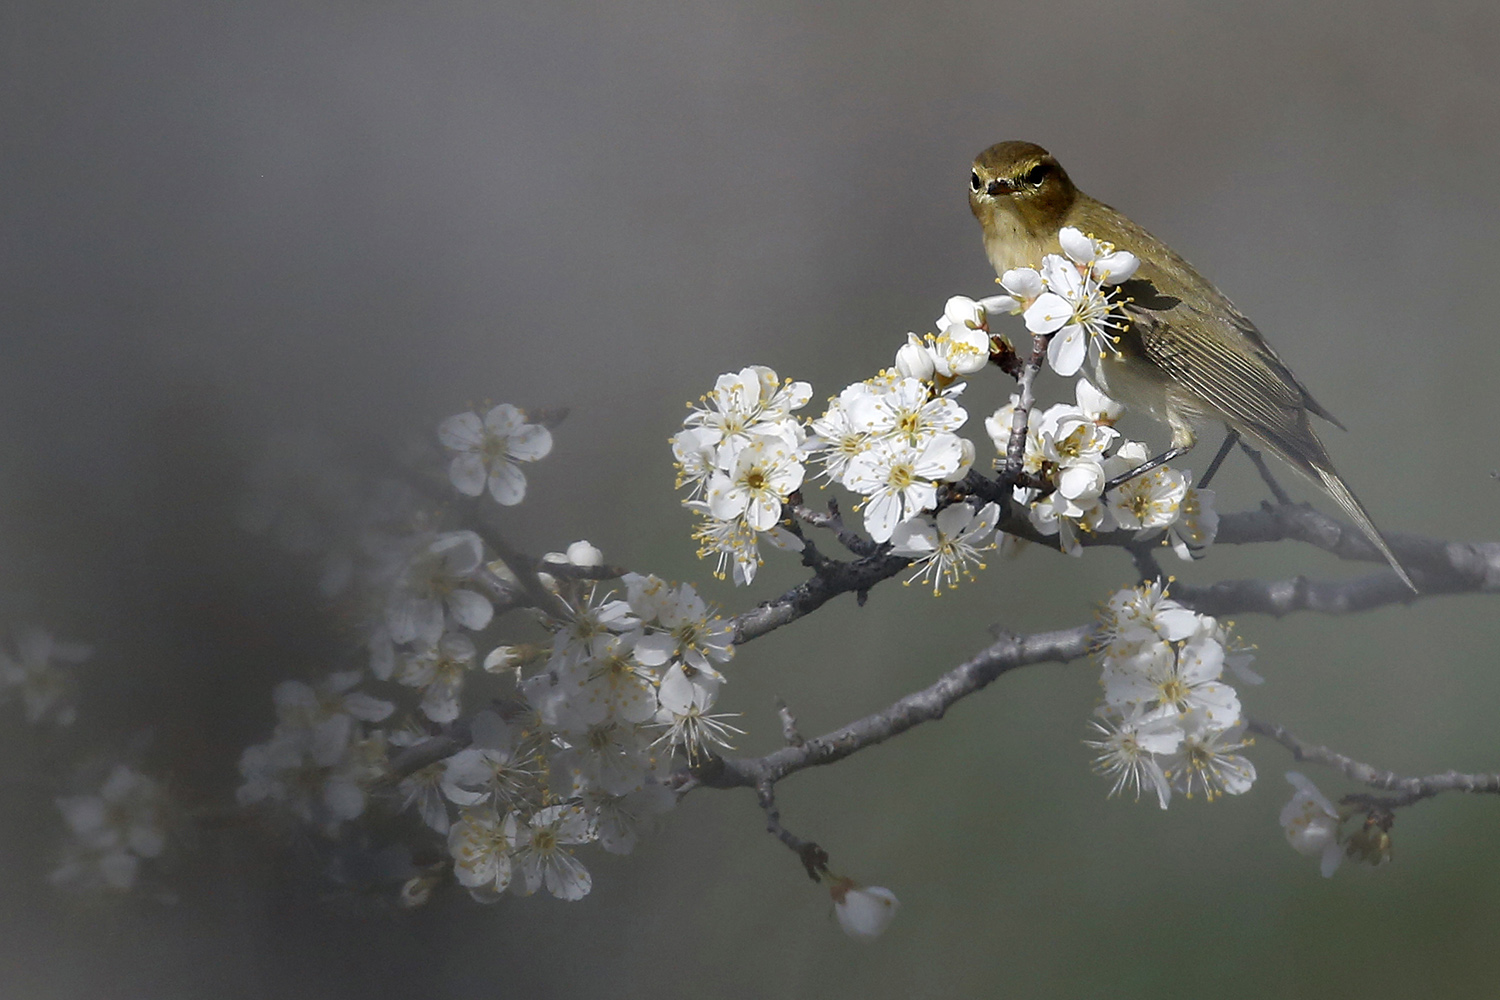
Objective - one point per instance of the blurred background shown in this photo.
(224, 223)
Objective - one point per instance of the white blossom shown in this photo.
(1312, 824)
(1128, 750)
(438, 671)
(1140, 616)
(764, 473)
(837, 438)
(1148, 502)
(750, 403)
(905, 410)
(1175, 680)
(481, 845)
(611, 755)
(1095, 405)
(111, 832)
(899, 480)
(1207, 761)
(434, 581)
(495, 768)
(1197, 524)
(489, 451)
(686, 632)
(914, 359)
(1067, 299)
(946, 548)
(541, 855)
(696, 452)
(685, 700)
(42, 674)
(619, 820)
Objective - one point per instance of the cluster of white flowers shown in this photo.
(1169, 722)
(321, 758)
(1077, 449)
(581, 757)
(894, 439)
(41, 674)
(582, 731)
(740, 454)
(111, 832)
(1068, 298)
(891, 439)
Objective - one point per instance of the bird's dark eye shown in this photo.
(974, 180)
(1037, 174)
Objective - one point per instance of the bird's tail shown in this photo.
(1313, 462)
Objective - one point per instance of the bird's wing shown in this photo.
(1252, 385)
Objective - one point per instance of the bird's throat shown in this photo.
(1012, 241)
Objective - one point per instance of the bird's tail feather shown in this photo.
(1320, 470)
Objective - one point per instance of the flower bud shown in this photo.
(416, 891)
(913, 360)
(965, 463)
(863, 911)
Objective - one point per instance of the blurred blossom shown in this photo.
(490, 452)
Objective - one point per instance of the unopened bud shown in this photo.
(863, 911)
(913, 360)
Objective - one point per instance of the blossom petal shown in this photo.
(507, 484)
(1048, 313)
(471, 610)
(462, 432)
(882, 513)
(504, 420)
(529, 443)
(1062, 277)
(1022, 282)
(467, 474)
(1067, 350)
(1076, 245)
(1111, 269)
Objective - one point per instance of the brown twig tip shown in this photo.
(814, 859)
(1003, 355)
(548, 416)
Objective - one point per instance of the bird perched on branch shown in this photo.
(1187, 356)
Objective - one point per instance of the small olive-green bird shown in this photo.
(1187, 357)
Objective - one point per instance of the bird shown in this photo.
(1185, 356)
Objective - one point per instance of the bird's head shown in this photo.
(1019, 185)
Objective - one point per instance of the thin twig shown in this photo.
(814, 859)
(1408, 790)
(834, 522)
(454, 737)
(1015, 451)
(1265, 474)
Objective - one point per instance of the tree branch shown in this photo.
(1408, 790)
(932, 702)
(1015, 451)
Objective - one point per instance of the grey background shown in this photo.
(220, 221)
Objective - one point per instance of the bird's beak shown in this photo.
(997, 187)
